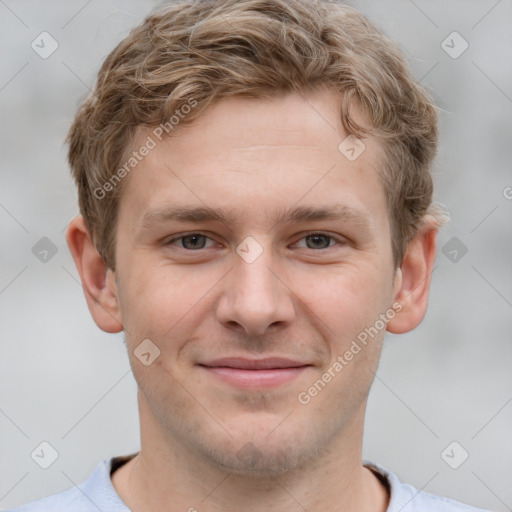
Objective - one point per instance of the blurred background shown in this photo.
(440, 412)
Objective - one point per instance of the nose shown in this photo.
(255, 296)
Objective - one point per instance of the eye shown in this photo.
(320, 240)
(192, 241)
(197, 241)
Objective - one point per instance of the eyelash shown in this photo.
(321, 233)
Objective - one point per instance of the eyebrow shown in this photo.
(198, 214)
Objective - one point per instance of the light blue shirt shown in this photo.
(97, 493)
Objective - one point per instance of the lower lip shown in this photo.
(255, 378)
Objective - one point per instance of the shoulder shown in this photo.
(69, 499)
(95, 493)
(406, 498)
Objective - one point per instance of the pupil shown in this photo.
(193, 245)
(316, 237)
(197, 239)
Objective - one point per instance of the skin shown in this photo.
(302, 298)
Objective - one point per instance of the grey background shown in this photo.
(66, 382)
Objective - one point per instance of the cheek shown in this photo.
(158, 299)
(347, 298)
(349, 306)
(168, 304)
(161, 300)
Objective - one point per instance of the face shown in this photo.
(252, 252)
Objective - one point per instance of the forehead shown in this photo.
(260, 156)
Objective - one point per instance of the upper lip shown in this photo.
(255, 364)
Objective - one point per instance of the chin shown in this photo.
(259, 461)
(285, 450)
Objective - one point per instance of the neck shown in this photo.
(167, 476)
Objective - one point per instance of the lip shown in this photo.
(259, 373)
(241, 363)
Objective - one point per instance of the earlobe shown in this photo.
(97, 279)
(413, 280)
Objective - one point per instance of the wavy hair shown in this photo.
(206, 50)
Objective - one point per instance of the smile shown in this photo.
(255, 373)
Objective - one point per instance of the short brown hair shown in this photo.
(202, 51)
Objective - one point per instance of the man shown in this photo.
(256, 211)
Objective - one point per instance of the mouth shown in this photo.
(258, 373)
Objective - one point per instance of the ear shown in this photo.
(412, 282)
(98, 281)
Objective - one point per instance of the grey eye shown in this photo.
(195, 241)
